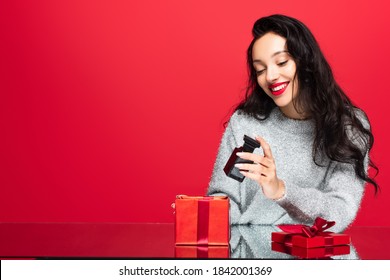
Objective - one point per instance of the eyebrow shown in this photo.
(275, 54)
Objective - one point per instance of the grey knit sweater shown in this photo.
(331, 191)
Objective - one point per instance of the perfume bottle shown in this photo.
(232, 171)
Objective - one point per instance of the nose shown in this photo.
(272, 74)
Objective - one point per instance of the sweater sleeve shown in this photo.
(220, 184)
(338, 198)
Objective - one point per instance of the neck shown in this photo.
(292, 113)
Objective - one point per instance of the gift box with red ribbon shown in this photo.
(311, 253)
(202, 252)
(310, 237)
(202, 220)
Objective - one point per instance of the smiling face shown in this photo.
(276, 72)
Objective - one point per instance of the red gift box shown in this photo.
(329, 239)
(202, 252)
(311, 253)
(202, 220)
(310, 237)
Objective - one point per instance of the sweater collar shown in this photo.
(291, 125)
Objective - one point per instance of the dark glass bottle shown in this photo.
(232, 171)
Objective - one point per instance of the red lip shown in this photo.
(279, 92)
(276, 85)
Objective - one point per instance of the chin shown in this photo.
(283, 101)
(282, 105)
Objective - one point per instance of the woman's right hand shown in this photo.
(263, 171)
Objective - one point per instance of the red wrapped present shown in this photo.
(310, 237)
(202, 220)
(202, 252)
(311, 253)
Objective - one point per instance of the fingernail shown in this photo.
(239, 154)
(238, 165)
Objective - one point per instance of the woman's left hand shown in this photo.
(263, 171)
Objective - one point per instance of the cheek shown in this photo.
(295, 88)
(291, 70)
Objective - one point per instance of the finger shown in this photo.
(267, 173)
(254, 168)
(267, 162)
(250, 156)
(253, 176)
(265, 146)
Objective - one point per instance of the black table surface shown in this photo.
(156, 240)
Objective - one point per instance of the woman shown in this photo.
(314, 143)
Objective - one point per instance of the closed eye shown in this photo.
(282, 63)
(259, 72)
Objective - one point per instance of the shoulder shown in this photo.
(240, 118)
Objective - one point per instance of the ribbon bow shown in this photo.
(319, 226)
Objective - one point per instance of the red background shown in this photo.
(111, 108)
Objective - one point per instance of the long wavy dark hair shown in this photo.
(320, 97)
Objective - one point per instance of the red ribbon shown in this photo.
(203, 220)
(318, 228)
(202, 252)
